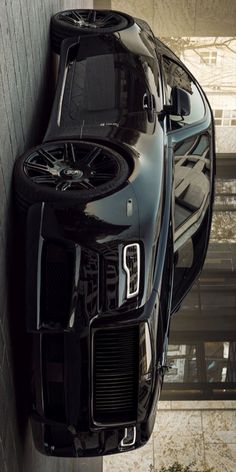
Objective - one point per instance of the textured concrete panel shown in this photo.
(203, 405)
(215, 18)
(139, 460)
(224, 455)
(174, 17)
(219, 426)
(170, 448)
(137, 8)
(187, 421)
(102, 4)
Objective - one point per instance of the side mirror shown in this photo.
(180, 103)
(164, 368)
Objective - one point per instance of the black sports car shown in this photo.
(117, 202)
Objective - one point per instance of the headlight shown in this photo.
(131, 264)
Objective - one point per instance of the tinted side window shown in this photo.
(192, 159)
(192, 182)
(177, 76)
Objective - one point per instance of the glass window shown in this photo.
(109, 89)
(227, 113)
(192, 185)
(183, 363)
(223, 202)
(225, 186)
(216, 358)
(225, 117)
(209, 361)
(218, 113)
(208, 57)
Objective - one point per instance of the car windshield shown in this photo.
(108, 89)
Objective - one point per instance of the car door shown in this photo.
(191, 139)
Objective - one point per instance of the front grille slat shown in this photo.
(116, 374)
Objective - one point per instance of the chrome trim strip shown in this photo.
(148, 348)
(122, 444)
(75, 288)
(132, 294)
(61, 96)
(40, 248)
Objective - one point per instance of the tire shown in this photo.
(71, 23)
(68, 171)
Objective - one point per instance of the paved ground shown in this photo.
(24, 97)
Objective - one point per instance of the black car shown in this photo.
(117, 203)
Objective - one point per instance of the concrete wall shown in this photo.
(183, 17)
(24, 96)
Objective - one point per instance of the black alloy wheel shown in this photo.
(68, 170)
(94, 20)
(78, 22)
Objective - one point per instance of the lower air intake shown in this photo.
(53, 376)
(57, 272)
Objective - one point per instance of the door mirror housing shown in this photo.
(163, 368)
(180, 100)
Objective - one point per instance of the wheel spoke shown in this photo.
(89, 184)
(100, 176)
(91, 18)
(72, 153)
(101, 166)
(77, 16)
(65, 153)
(68, 19)
(63, 185)
(85, 184)
(48, 156)
(91, 156)
(37, 167)
(43, 179)
(69, 153)
(106, 19)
